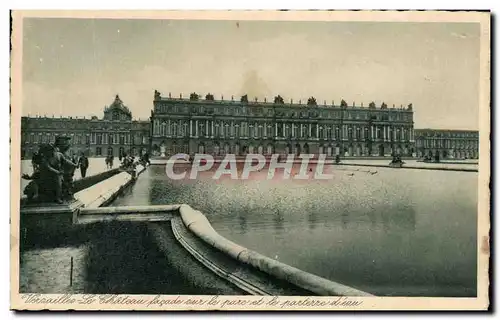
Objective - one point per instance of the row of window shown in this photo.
(447, 143)
(110, 152)
(286, 113)
(448, 135)
(269, 149)
(35, 123)
(209, 128)
(93, 138)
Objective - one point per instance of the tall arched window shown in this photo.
(270, 130)
(163, 131)
(216, 149)
(174, 128)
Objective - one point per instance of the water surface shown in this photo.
(386, 231)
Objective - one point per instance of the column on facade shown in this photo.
(372, 134)
(317, 131)
(284, 132)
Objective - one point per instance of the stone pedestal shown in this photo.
(47, 219)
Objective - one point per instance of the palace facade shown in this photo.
(116, 133)
(218, 127)
(449, 144)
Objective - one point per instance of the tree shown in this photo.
(278, 100)
(194, 96)
(311, 101)
(372, 105)
(244, 99)
(343, 104)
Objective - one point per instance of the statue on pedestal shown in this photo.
(68, 166)
(157, 95)
(52, 179)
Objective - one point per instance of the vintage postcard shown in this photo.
(250, 160)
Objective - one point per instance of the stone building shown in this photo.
(449, 144)
(116, 133)
(195, 125)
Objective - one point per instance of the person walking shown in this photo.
(83, 163)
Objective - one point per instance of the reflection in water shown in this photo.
(312, 218)
(380, 219)
(345, 218)
(278, 221)
(242, 223)
(388, 234)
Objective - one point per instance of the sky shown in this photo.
(75, 67)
